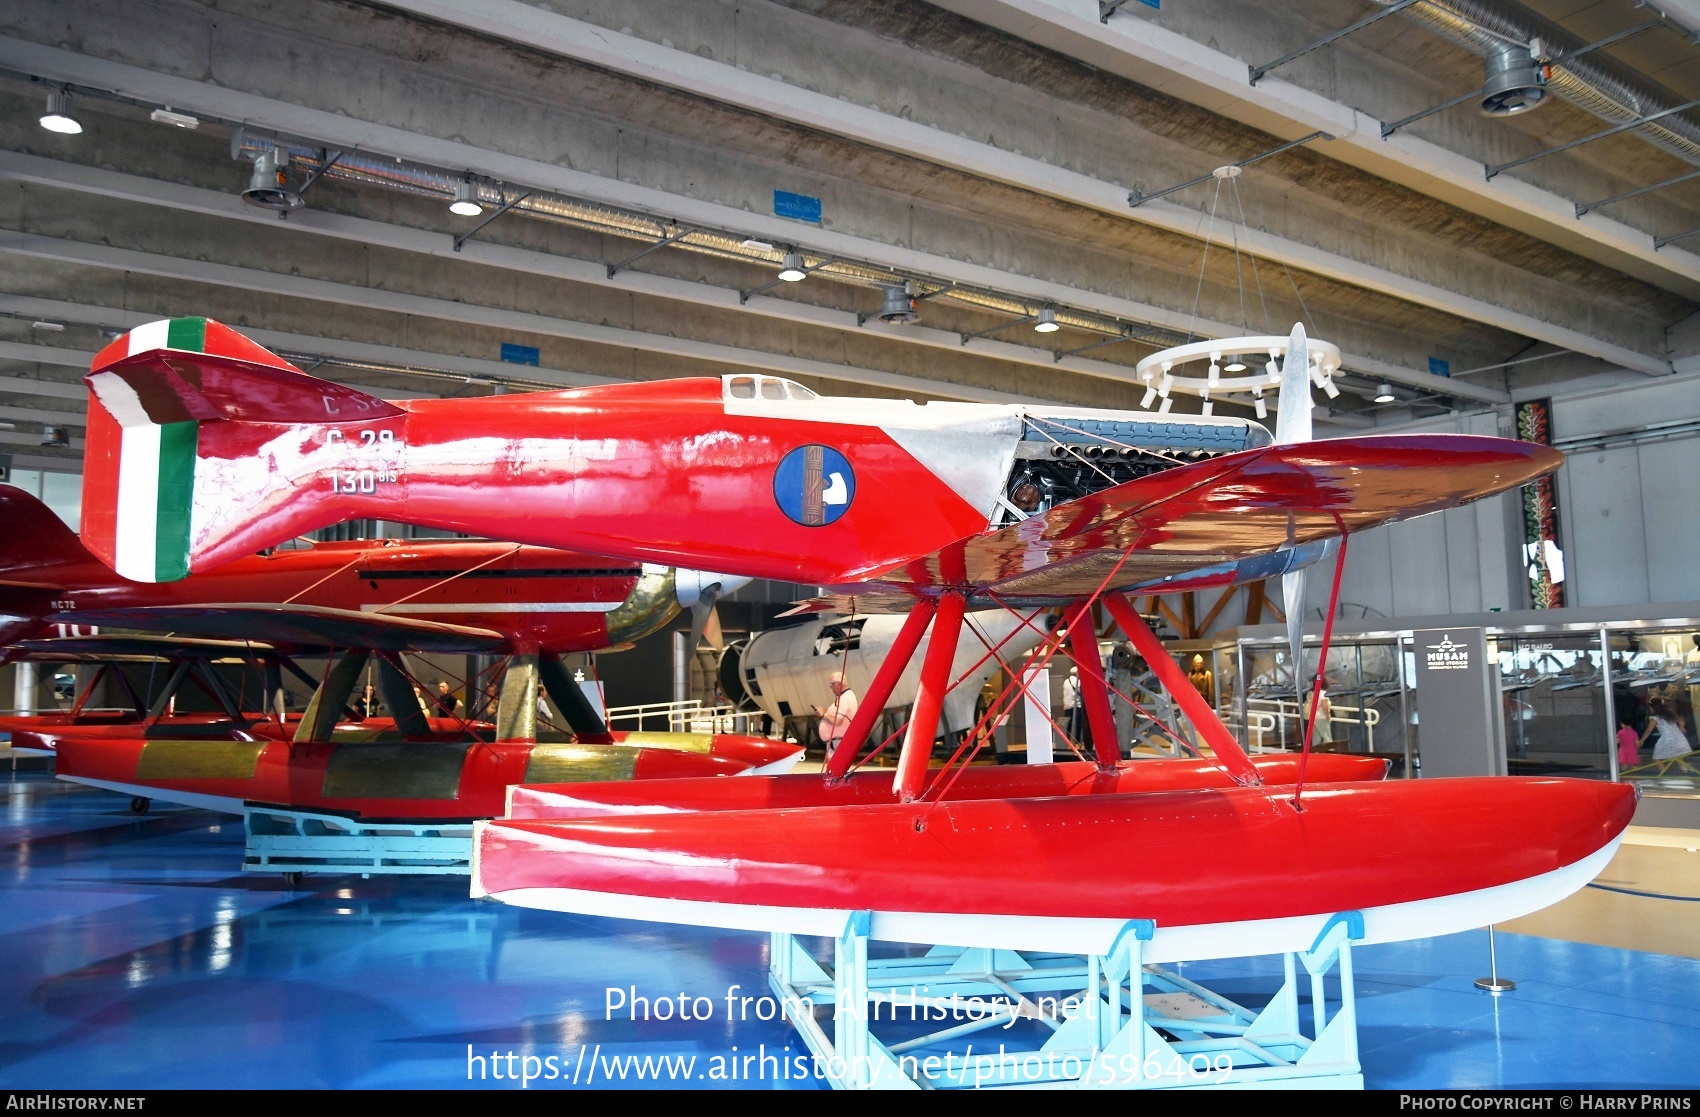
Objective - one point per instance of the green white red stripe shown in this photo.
(145, 482)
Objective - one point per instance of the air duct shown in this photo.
(367, 169)
(1591, 82)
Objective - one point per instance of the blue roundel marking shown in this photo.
(814, 485)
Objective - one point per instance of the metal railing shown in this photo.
(1267, 717)
(690, 716)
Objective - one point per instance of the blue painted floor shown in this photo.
(134, 953)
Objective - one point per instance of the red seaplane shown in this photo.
(204, 447)
(366, 600)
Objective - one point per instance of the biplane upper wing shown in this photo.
(1236, 507)
(298, 626)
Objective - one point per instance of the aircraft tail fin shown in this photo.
(36, 539)
(197, 437)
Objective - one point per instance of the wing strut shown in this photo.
(1083, 636)
(581, 716)
(929, 698)
(1192, 703)
(879, 691)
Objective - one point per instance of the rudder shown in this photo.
(177, 474)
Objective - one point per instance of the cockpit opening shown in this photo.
(746, 386)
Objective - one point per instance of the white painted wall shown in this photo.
(1457, 561)
(1629, 517)
(62, 492)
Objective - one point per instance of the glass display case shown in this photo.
(1363, 709)
(1555, 705)
(1568, 684)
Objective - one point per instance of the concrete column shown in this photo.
(23, 689)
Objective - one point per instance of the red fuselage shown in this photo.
(652, 471)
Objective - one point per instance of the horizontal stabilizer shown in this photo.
(301, 626)
(195, 369)
(191, 425)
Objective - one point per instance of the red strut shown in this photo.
(1192, 703)
(879, 691)
(1094, 692)
(929, 698)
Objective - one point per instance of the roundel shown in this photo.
(814, 485)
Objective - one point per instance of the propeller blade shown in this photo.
(703, 616)
(1293, 424)
(1292, 413)
(1293, 600)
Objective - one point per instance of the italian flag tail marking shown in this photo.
(139, 480)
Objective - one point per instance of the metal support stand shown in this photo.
(1493, 983)
(977, 1017)
(282, 841)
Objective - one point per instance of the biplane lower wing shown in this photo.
(299, 626)
(1234, 509)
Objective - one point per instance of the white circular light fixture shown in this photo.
(792, 271)
(59, 117)
(466, 203)
(1219, 381)
(1384, 394)
(1047, 323)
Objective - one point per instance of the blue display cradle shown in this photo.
(297, 842)
(1064, 1020)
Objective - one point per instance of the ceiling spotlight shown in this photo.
(59, 117)
(793, 270)
(1207, 408)
(1047, 323)
(899, 306)
(1329, 389)
(269, 187)
(1150, 394)
(175, 119)
(466, 203)
(1513, 82)
(1235, 365)
(1384, 394)
(1262, 407)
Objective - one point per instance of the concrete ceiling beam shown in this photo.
(522, 23)
(25, 386)
(76, 413)
(81, 359)
(346, 131)
(115, 184)
(448, 310)
(1142, 50)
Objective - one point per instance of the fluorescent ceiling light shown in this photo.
(175, 119)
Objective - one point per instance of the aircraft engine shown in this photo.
(784, 671)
